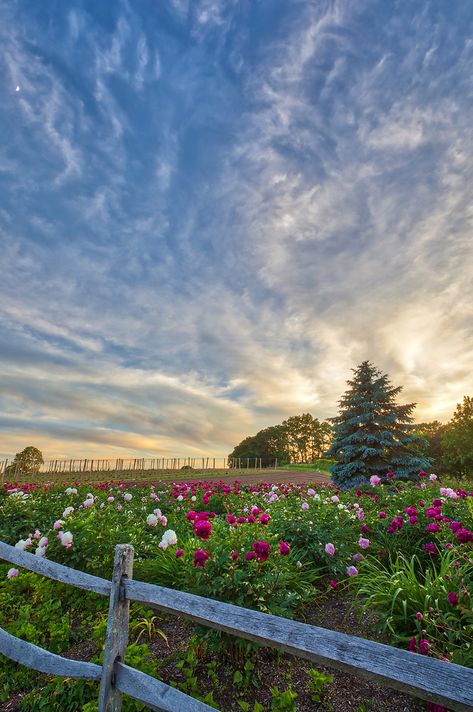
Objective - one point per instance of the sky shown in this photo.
(211, 210)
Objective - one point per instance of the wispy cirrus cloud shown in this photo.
(211, 212)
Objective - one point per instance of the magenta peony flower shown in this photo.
(424, 646)
(284, 548)
(352, 571)
(250, 555)
(264, 519)
(430, 548)
(179, 552)
(240, 520)
(234, 555)
(455, 526)
(202, 528)
(382, 515)
(261, 549)
(200, 557)
(390, 475)
(202, 516)
(432, 527)
(464, 536)
(330, 549)
(413, 645)
(452, 598)
(419, 616)
(364, 529)
(231, 519)
(333, 584)
(251, 519)
(191, 515)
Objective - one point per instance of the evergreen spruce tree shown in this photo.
(372, 434)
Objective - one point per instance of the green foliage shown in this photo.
(283, 701)
(372, 434)
(457, 441)
(404, 588)
(301, 438)
(27, 461)
(318, 684)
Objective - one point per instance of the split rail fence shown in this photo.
(427, 678)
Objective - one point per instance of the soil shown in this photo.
(214, 671)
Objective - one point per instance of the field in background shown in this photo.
(248, 476)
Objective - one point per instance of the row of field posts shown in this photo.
(135, 466)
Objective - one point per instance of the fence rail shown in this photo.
(428, 678)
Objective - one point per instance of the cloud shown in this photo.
(211, 213)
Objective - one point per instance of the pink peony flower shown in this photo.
(200, 557)
(66, 539)
(58, 524)
(364, 543)
(305, 505)
(43, 541)
(424, 646)
(335, 499)
(419, 616)
(352, 571)
(111, 498)
(310, 492)
(203, 528)
(261, 549)
(464, 536)
(12, 573)
(119, 507)
(330, 549)
(432, 477)
(375, 480)
(360, 514)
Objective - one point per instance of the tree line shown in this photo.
(371, 435)
(301, 438)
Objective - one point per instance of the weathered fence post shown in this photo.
(116, 639)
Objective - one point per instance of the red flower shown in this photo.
(332, 584)
(200, 557)
(452, 598)
(202, 528)
(261, 549)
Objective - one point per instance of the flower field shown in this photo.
(400, 552)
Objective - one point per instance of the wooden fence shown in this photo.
(428, 678)
(119, 466)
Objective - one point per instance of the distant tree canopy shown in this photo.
(301, 438)
(27, 461)
(457, 440)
